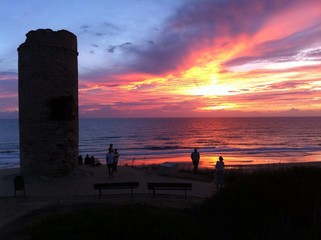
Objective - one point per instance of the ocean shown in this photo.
(241, 141)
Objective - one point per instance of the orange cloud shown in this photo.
(222, 58)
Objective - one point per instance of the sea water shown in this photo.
(154, 140)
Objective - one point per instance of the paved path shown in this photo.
(78, 188)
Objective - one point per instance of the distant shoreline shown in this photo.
(232, 160)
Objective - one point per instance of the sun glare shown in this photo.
(212, 88)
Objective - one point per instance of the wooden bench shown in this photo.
(116, 185)
(168, 186)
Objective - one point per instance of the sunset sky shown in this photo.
(178, 58)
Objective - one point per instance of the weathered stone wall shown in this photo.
(48, 103)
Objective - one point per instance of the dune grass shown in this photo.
(279, 204)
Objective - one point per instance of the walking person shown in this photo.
(219, 168)
(110, 159)
(116, 157)
(195, 156)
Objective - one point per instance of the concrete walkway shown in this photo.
(78, 188)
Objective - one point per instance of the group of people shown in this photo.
(219, 167)
(92, 161)
(112, 158)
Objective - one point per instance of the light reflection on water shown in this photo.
(240, 140)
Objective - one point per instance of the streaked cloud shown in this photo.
(199, 58)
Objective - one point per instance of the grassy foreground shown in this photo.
(279, 204)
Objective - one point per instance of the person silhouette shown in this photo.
(111, 147)
(195, 156)
(116, 157)
(110, 162)
(87, 160)
(219, 167)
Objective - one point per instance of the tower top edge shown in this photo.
(48, 37)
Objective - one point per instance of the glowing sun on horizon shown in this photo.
(212, 88)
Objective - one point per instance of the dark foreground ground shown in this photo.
(263, 204)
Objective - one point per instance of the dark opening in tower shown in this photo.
(61, 108)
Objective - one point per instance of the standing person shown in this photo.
(195, 156)
(111, 147)
(219, 167)
(116, 156)
(110, 163)
(87, 160)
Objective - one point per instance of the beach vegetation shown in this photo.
(265, 204)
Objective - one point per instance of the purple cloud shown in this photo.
(198, 24)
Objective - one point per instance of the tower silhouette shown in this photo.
(48, 103)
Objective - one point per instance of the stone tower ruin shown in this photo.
(48, 103)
